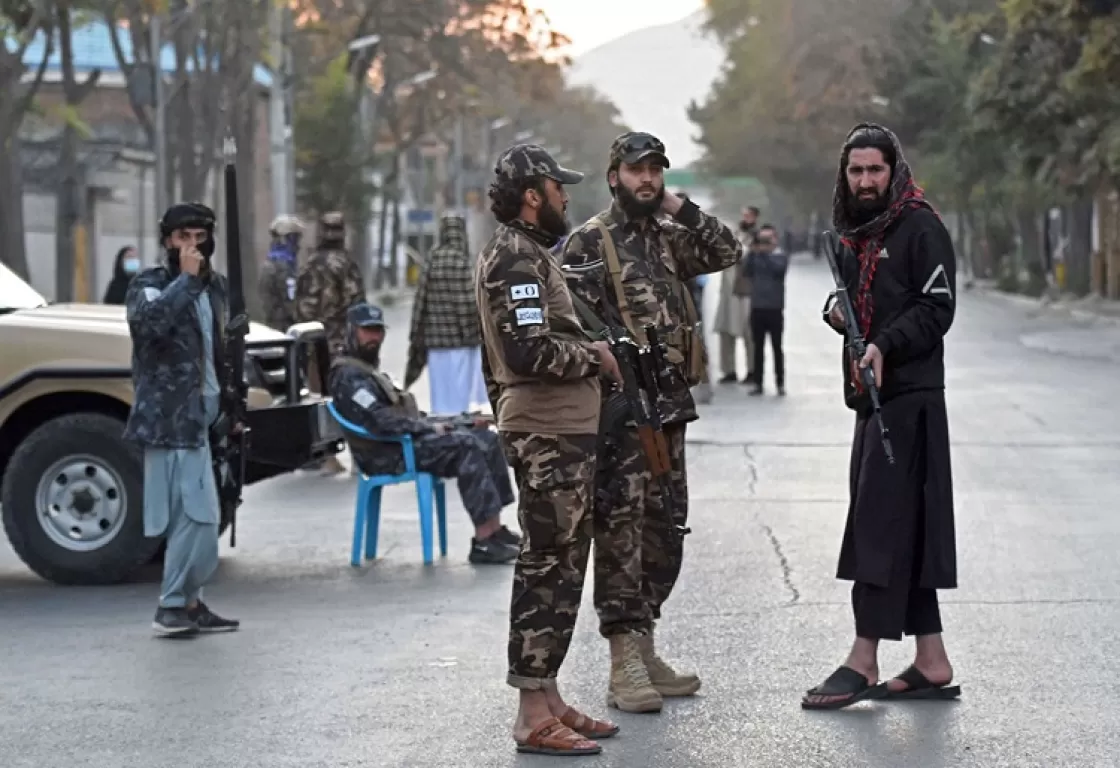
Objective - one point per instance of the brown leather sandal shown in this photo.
(588, 727)
(552, 737)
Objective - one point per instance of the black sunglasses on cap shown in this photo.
(640, 146)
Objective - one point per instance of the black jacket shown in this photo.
(913, 306)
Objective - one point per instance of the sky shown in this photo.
(589, 23)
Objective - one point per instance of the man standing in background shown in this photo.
(328, 285)
(445, 334)
(277, 283)
(733, 312)
(765, 267)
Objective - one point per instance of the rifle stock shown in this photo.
(857, 345)
(656, 449)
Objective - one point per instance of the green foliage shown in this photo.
(331, 160)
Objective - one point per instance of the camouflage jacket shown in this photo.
(657, 258)
(276, 286)
(327, 286)
(371, 401)
(167, 356)
(531, 336)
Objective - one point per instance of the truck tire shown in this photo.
(72, 502)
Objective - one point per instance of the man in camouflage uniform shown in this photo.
(330, 283)
(542, 378)
(327, 286)
(367, 397)
(648, 258)
(177, 316)
(277, 283)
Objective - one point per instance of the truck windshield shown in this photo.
(16, 294)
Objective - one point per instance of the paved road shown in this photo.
(398, 665)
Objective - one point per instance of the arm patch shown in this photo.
(364, 398)
(525, 291)
(529, 316)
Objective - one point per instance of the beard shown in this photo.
(371, 354)
(552, 221)
(635, 208)
(865, 209)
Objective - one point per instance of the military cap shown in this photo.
(523, 161)
(364, 315)
(332, 219)
(636, 147)
(187, 216)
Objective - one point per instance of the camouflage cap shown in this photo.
(523, 161)
(364, 315)
(635, 147)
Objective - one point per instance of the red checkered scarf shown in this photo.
(866, 239)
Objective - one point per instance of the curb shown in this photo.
(1111, 316)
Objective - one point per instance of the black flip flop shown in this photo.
(846, 682)
(919, 687)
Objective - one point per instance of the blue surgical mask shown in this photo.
(131, 265)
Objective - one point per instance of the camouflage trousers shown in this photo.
(637, 556)
(556, 478)
(475, 459)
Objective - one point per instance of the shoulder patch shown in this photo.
(525, 291)
(363, 397)
(151, 294)
(938, 283)
(529, 316)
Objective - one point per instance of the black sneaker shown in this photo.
(728, 378)
(506, 536)
(492, 551)
(756, 391)
(174, 622)
(781, 390)
(208, 621)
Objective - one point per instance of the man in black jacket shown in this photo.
(177, 314)
(899, 542)
(765, 268)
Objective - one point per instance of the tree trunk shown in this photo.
(70, 193)
(13, 247)
(394, 261)
(1079, 255)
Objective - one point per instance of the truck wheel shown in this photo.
(72, 502)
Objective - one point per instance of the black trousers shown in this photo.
(885, 613)
(770, 322)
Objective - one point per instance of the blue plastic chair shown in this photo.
(367, 510)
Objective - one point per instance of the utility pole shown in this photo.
(156, 44)
(277, 123)
(459, 202)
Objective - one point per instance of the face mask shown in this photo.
(131, 265)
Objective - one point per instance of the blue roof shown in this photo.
(93, 49)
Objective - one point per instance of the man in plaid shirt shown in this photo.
(445, 333)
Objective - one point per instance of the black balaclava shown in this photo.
(188, 216)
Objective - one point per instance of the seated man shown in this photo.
(368, 398)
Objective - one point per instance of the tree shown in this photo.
(20, 21)
(331, 159)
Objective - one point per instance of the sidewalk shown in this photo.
(1088, 309)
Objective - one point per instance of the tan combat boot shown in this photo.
(665, 680)
(630, 689)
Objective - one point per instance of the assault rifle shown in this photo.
(230, 450)
(857, 345)
(643, 369)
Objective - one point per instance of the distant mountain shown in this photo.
(652, 74)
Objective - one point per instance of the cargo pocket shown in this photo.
(554, 507)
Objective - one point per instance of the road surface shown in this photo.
(398, 665)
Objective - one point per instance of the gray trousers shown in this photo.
(727, 341)
(192, 558)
